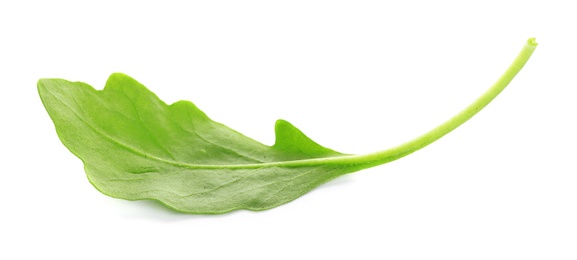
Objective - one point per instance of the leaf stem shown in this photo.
(448, 126)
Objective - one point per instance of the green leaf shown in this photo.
(134, 147)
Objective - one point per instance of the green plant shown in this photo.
(134, 146)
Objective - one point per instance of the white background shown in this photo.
(356, 76)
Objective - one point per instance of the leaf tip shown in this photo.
(115, 78)
(45, 85)
(281, 123)
(118, 75)
(290, 138)
(42, 84)
(284, 131)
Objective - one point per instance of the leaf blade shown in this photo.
(125, 159)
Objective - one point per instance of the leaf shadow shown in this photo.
(154, 210)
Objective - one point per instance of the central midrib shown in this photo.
(292, 163)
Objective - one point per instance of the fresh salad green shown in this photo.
(134, 146)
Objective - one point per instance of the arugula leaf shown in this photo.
(134, 147)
